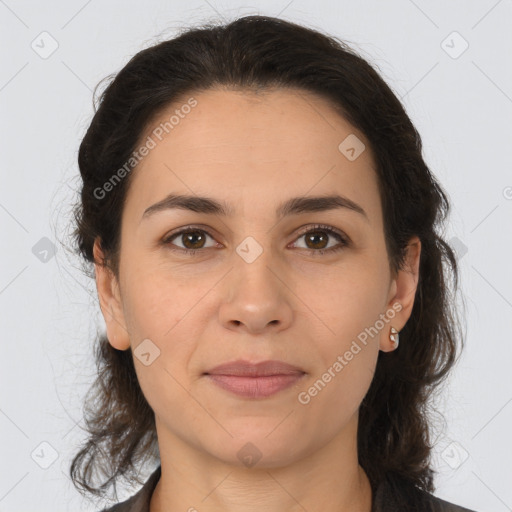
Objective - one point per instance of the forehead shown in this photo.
(246, 146)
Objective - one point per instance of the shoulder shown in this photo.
(396, 495)
(140, 501)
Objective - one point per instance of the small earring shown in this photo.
(394, 337)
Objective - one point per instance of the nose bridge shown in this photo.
(253, 263)
(256, 297)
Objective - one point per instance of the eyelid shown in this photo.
(326, 227)
(344, 240)
(190, 227)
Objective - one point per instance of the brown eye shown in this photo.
(192, 239)
(317, 240)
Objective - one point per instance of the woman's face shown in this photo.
(257, 287)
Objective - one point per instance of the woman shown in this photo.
(264, 233)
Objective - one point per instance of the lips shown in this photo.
(242, 368)
(259, 380)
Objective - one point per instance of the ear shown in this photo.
(110, 301)
(402, 292)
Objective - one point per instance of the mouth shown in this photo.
(250, 380)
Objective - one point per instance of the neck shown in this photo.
(330, 479)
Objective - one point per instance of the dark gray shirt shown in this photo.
(392, 495)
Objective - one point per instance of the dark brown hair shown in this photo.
(259, 53)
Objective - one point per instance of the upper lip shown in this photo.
(248, 369)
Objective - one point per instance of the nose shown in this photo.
(256, 297)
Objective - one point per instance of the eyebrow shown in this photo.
(293, 206)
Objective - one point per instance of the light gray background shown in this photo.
(461, 105)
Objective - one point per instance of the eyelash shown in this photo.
(343, 239)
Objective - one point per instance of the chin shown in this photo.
(256, 448)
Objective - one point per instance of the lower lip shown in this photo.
(255, 387)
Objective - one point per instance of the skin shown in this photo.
(255, 151)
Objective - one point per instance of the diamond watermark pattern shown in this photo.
(454, 455)
(249, 455)
(458, 246)
(249, 249)
(44, 455)
(351, 147)
(454, 45)
(44, 250)
(44, 45)
(146, 352)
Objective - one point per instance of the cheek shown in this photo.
(164, 309)
(334, 394)
(347, 304)
(346, 349)
(161, 309)
(345, 300)
(155, 302)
